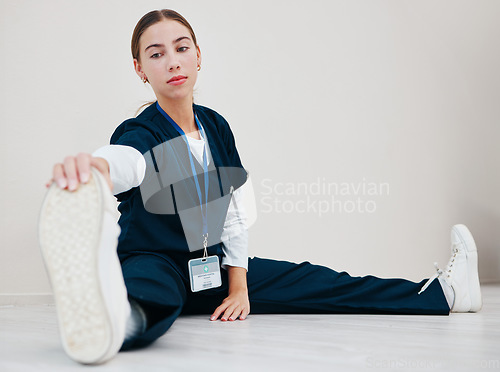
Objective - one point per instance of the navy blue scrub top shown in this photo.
(150, 222)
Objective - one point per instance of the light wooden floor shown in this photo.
(459, 342)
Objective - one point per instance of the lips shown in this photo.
(178, 77)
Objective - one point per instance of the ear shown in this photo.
(198, 54)
(138, 69)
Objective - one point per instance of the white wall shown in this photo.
(387, 92)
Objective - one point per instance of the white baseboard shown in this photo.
(19, 299)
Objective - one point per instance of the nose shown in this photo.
(174, 64)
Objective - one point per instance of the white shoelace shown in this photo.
(439, 272)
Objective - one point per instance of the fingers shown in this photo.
(73, 171)
(59, 176)
(233, 313)
(83, 166)
(244, 313)
(219, 311)
(230, 311)
(70, 172)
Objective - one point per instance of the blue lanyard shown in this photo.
(205, 171)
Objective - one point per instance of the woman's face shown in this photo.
(167, 50)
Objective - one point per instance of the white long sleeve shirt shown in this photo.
(127, 168)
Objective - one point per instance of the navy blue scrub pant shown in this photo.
(273, 287)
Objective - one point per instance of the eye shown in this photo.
(155, 55)
(183, 48)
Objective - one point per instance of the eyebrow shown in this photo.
(162, 45)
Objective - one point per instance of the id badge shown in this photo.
(204, 273)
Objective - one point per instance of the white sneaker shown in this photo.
(461, 273)
(78, 238)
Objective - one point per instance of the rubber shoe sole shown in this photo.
(73, 243)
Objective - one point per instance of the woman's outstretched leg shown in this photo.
(285, 287)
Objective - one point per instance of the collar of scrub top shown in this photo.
(205, 169)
